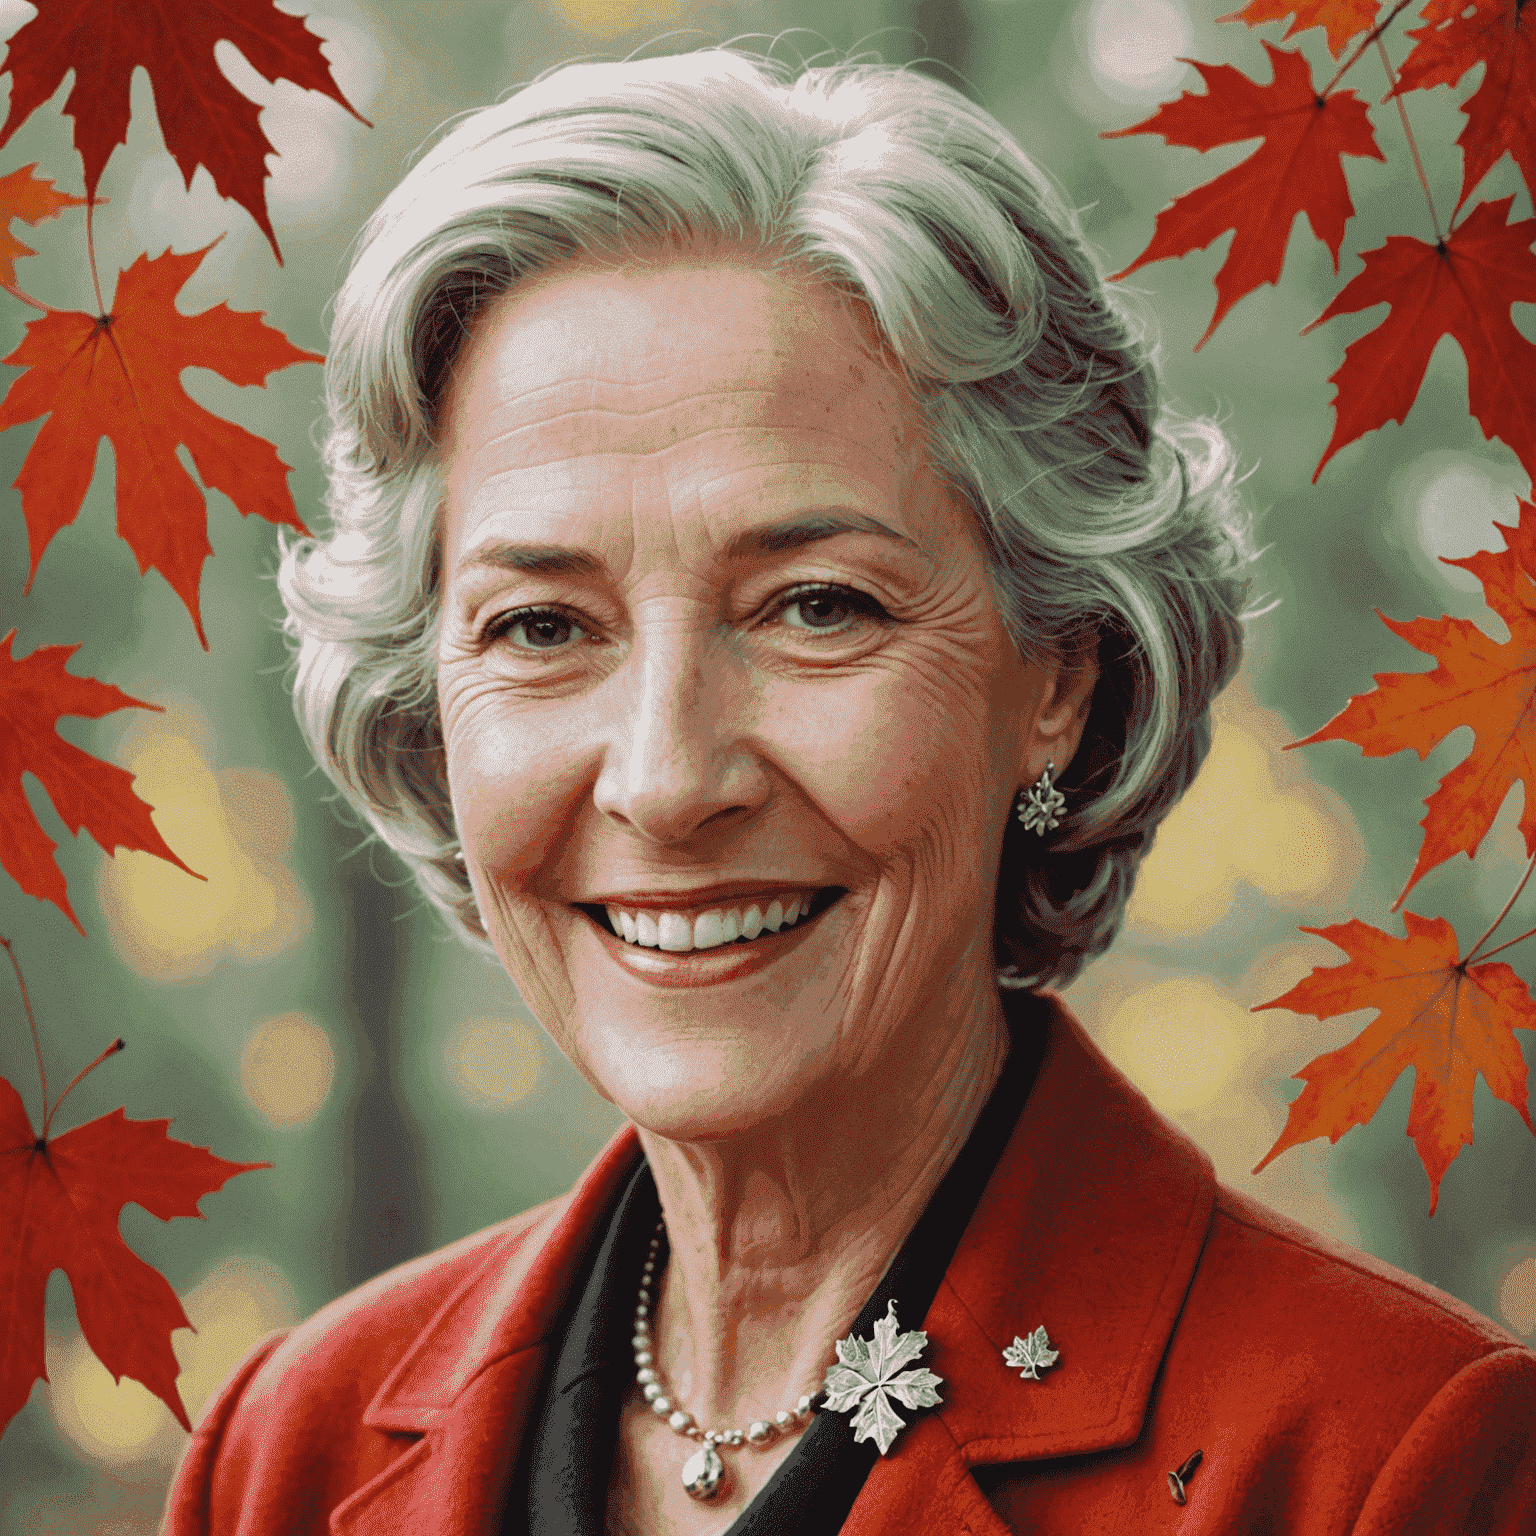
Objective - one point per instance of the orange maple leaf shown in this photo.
(1297, 169)
(1444, 1018)
(60, 1201)
(1465, 288)
(203, 118)
(1343, 19)
(119, 376)
(1480, 682)
(32, 199)
(35, 693)
(1501, 113)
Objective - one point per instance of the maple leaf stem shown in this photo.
(32, 1022)
(1354, 58)
(1508, 942)
(112, 1050)
(90, 250)
(1413, 147)
(1503, 913)
(26, 298)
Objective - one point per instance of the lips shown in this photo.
(741, 921)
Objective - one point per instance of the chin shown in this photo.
(700, 1084)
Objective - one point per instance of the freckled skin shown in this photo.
(675, 719)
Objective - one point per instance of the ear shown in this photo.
(1056, 726)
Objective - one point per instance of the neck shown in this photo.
(779, 1235)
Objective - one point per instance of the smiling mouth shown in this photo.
(734, 924)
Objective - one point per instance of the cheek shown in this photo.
(899, 761)
(512, 787)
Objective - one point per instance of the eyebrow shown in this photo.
(774, 539)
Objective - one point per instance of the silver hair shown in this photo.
(1114, 527)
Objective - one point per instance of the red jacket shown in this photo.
(1328, 1391)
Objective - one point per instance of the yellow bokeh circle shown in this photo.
(287, 1069)
(495, 1062)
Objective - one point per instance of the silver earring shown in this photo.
(1040, 805)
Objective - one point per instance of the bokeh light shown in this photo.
(1219, 1070)
(603, 18)
(287, 1069)
(1446, 502)
(1250, 816)
(495, 1062)
(1517, 1296)
(238, 1302)
(1134, 48)
(120, 1424)
(315, 139)
(235, 828)
(1182, 1042)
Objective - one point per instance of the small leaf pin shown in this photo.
(869, 1375)
(1034, 1354)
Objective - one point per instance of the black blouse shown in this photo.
(560, 1484)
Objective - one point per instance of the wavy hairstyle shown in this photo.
(1113, 528)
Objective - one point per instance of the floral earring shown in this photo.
(1039, 806)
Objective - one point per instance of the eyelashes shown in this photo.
(548, 629)
(825, 608)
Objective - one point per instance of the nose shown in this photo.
(679, 761)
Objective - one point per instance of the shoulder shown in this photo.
(1373, 1381)
(1275, 1258)
(433, 1348)
(290, 1432)
(347, 1349)
(1311, 1303)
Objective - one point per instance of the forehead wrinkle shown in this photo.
(493, 483)
(804, 417)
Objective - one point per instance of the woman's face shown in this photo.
(714, 642)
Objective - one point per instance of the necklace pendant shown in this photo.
(703, 1473)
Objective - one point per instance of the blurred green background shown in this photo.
(303, 1007)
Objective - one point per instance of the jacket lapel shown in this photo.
(1092, 1226)
(466, 1384)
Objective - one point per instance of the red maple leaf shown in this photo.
(35, 693)
(60, 1201)
(1446, 1019)
(119, 376)
(32, 199)
(1501, 115)
(1343, 19)
(1297, 169)
(203, 118)
(1484, 683)
(1464, 289)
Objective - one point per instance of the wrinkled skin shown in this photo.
(677, 715)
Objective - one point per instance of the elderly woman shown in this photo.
(768, 605)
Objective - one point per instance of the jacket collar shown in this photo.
(1091, 1225)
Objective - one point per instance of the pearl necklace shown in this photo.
(703, 1472)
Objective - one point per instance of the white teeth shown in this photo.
(709, 930)
(675, 931)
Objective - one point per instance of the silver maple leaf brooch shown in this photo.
(1033, 1354)
(870, 1374)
